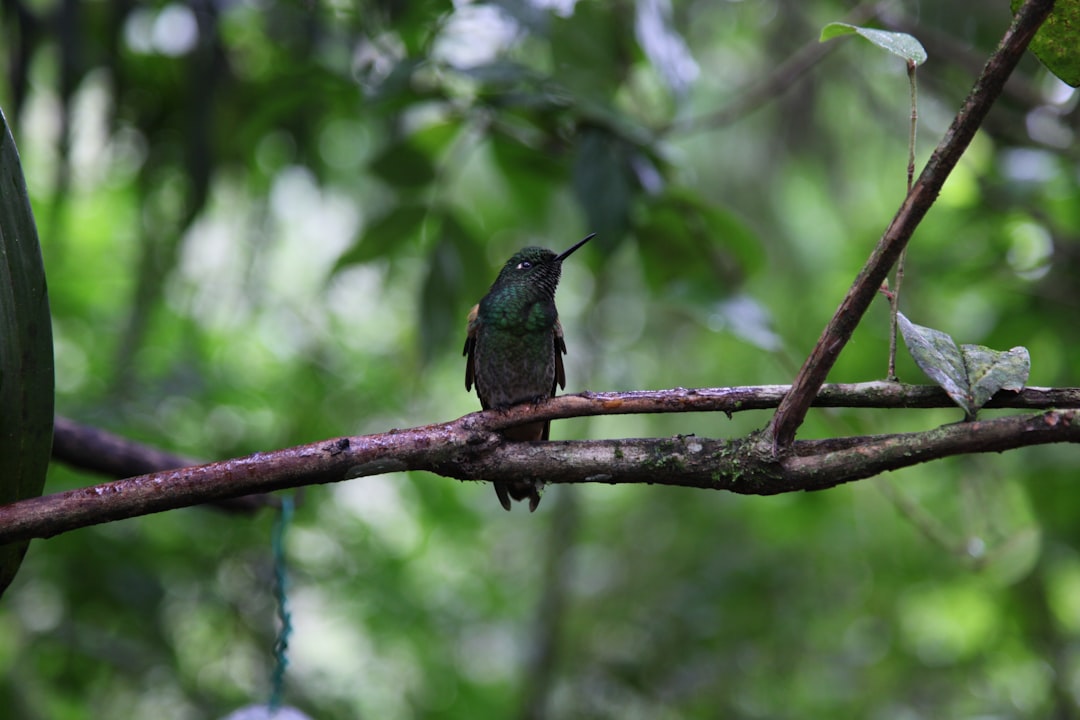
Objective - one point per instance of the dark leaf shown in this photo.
(410, 163)
(443, 304)
(396, 228)
(1057, 41)
(403, 165)
(26, 352)
(585, 46)
(694, 248)
(529, 174)
(602, 182)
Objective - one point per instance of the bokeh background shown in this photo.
(263, 224)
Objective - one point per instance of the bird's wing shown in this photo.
(560, 381)
(470, 346)
(560, 350)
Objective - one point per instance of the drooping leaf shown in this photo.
(1057, 41)
(442, 303)
(602, 183)
(410, 163)
(937, 355)
(26, 352)
(399, 226)
(695, 248)
(900, 44)
(404, 166)
(970, 374)
(586, 49)
(991, 370)
(528, 174)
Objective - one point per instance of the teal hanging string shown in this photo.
(281, 644)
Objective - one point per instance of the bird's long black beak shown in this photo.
(566, 254)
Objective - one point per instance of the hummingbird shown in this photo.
(514, 347)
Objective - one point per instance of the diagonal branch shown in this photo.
(792, 411)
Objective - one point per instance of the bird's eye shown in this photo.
(524, 265)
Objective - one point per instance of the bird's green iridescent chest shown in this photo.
(518, 312)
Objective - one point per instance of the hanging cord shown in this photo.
(281, 580)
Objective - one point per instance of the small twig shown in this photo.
(894, 297)
(912, 69)
(792, 411)
(95, 450)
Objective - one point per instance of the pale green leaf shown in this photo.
(937, 355)
(900, 44)
(991, 370)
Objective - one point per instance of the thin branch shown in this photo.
(89, 448)
(877, 394)
(792, 411)
(470, 448)
(898, 282)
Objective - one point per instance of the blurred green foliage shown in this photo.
(263, 224)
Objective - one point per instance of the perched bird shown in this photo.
(514, 347)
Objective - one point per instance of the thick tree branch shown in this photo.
(792, 411)
(738, 465)
(88, 448)
(470, 448)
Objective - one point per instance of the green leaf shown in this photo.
(528, 174)
(970, 374)
(409, 164)
(900, 44)
(448, 280)
(602, 183)
(707, 251)
(435, 138)
(404, 166)
(395, 229)
(937, 355)
(586, 49)
(26, 352)
(991, 370)
(1057, 41)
